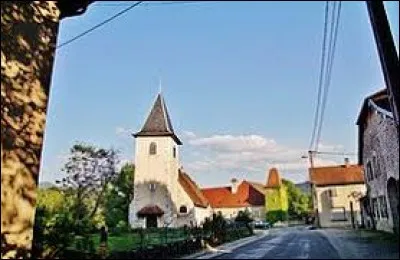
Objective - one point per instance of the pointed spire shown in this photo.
(158, 122)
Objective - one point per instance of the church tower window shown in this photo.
(153, 148)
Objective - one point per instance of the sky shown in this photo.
(239, 79)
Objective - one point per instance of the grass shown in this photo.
(132, 241)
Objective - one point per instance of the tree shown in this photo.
(299, 202)
(245, 217)
(89, 170)
(54, 226)
(118, 197)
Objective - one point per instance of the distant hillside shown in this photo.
(304, 187)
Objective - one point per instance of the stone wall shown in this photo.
(381, 140)
(28, 38)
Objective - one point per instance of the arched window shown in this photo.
(375, 162)
(153, 148)
(183, 209)
(174, 152)
(369, 171)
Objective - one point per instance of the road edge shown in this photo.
(205, 254)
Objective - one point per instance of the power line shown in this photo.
(326, 73)
(99, 25)
(321, 74)
(153, 3)
(334, 33)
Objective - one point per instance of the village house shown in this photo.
(164, 195)
(336, 191)
(378, 151)
(261, 200)
(239, 196)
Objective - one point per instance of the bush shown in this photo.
(274, 216)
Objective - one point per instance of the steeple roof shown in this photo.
(158, 123)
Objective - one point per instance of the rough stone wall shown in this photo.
(380, 139)
(28, 37)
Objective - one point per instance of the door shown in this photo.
(151, 221)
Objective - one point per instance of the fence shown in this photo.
(153, 243)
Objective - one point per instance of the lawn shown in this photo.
(133, 240)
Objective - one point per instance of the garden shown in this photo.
(93, 194)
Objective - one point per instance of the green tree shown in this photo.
(118, 197)
(246, 218)
(89, 170)
(54, 225)
(299, 202)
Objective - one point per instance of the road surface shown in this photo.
(302, 243)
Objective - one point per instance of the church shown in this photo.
(164, 194)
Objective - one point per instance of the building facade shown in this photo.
(379, 153)
(336, 192)
(164, 195)
(240, 196)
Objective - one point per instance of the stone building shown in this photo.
(164, 195)
(336, 191)
(378, 150)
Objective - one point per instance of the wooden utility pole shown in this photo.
(387, 54)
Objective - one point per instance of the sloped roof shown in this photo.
(246, 195)
(258, 186)
(158, 123)
(192, 190)
(337, 175)
(150, 210)
(380, 98)
(274, 180)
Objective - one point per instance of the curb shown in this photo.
(205, 254)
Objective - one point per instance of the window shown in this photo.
(375, 207)
(153, 148)
(332, 193)
(183, 209)
(369, 171)
(383, 206)
(152, 187)
(338, 214)
(174, 152)
(376, 167)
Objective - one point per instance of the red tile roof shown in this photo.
(150, 210)
(192, 190)
(337, 175)
(246, 195)
(274, 180)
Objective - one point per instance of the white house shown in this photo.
(164, 195)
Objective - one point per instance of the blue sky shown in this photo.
(239, 80)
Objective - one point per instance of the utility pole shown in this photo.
(387, 54)
(313, 190)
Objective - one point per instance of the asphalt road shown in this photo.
(286, 244)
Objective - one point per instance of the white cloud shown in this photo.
(122, 131)
(189, 134)
(250, 154)
(232, 143)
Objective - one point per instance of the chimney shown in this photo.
(234, 185)
(346, 162)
